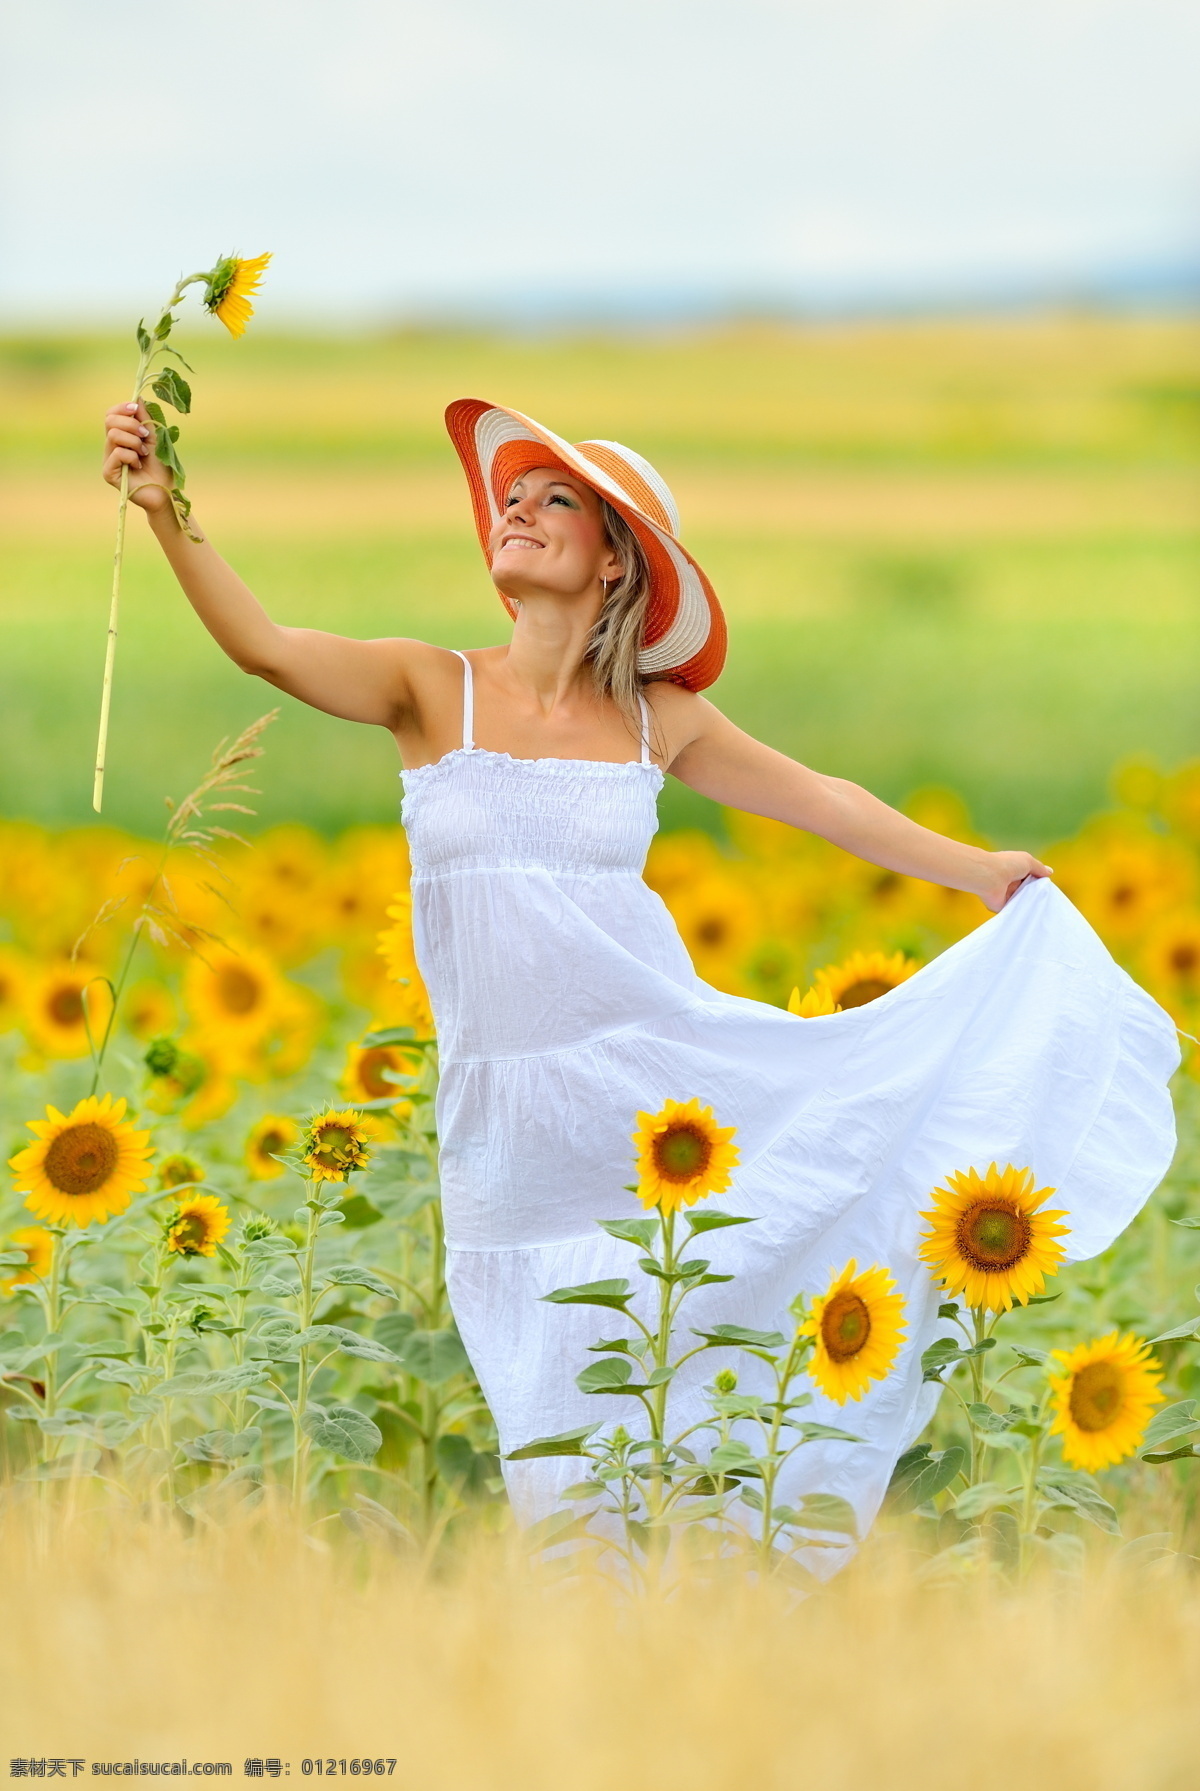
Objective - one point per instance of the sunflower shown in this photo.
(334, 1146)
(1170, 959)
(368, 1073)
(719, 920)
(682, 1155)
(858, 1329)
(988, 1240)
(38, 1245)
(864, 976)
(229, 289)
(233, 996)
(55, 1016)
(196, 1226)
(14, 975)
(85, 1165)
(816, 1002)
(274, 1133)
(148, 1010)
(179, 1171)
(1103, 1399)
(407, 1005)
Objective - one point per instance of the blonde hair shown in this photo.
(616, 637)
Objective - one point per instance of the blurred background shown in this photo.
(899, 295)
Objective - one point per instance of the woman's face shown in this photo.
(550, 539)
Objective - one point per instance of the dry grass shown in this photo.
(121, 1644)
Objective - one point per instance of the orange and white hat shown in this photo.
(684, 639)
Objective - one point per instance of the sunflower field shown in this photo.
(222, 1255)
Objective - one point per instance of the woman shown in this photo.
(564, 998)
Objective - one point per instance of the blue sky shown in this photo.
(403, 158)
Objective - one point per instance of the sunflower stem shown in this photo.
(308, 1263)
(979, 1319)
(53, 1319)
(146, 358)
(661, 1351)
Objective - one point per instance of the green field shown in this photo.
(954, 552)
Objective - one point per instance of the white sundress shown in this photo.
(565, 1002)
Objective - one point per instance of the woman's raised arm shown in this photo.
(358, 680)
(713, 756)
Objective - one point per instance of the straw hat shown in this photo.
(684, 640)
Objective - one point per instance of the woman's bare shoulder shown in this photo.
(683, 716)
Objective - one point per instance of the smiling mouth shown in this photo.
(519, 541)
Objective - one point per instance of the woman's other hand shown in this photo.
(129, 442)
(1004, 873)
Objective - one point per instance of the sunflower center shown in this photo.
(65, 1005)
(681, 1153)
(81, 1159)
(845, 1325)
(992, 1235)
(1096, 1396)
(1184, 960)
(237, 990)
(270, 1142)
(334, 1146)
(869, 988)
(371, 1066)
(712, 930)
(1122, 895)
(190, 1233)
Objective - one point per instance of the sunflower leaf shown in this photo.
(345, 1431)
(615, 1294)
(825, 1433)
(434, 1356)
(631, 1231)
(173, 389)
(1078, 1492)
(825, 1511)
(713, 1221)
(611, 1375)
(1173, 1421)
(565, 1442)
(921, 1473)
(352, 1275)
(741, 1337)
(623, 1345)
(1188, 1329)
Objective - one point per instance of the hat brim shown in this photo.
(685, 636)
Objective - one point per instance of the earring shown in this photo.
(604, 582)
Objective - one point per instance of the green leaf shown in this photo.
(143, 337)
(1079, 1492)
(825, 1511)
(921, 1473)
(1156, 1456)
(741, 1337)
(173, 389)
(976, 1501)
(434, 1356)
(611, 1375)
(1188, 1329)
(394, 1330)
(397, 1035)
(1031, 1358)
(619, 1345)
(944, 1352)
(221, 1445)
(631, 1231)
(714, 1221)
(1173, 1421)
(358, 1213)
(984, 1418)
(733, 1457)
(162, 328)
(1042, 1299)
(825, 1433)
(196, 1382)
(948, 1309)
(615, 1294)
(468, 1469)
(353, 1275)
(345, 1431)
(1187, 1224)
(691, 1512)
(565, 1442)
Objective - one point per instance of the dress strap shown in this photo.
(468, 738)
(644, 707)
